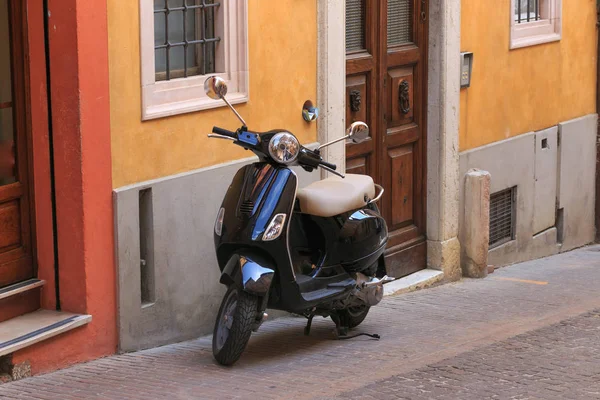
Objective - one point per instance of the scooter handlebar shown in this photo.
(224, 132)
(329, 165)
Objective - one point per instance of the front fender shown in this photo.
(250, 272)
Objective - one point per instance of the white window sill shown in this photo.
(534, 40)
(187, 106)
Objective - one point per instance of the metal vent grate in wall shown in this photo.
(399, 22)
(355, 25)
(502, 216)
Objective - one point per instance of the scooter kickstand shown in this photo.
(308, 325)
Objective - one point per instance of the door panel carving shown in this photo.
(402, 185)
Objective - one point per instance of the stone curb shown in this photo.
(418, 280)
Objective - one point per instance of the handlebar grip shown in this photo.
(224, 132)
(329, 165)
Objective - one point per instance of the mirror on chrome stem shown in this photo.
(215, 88)
(358, 132)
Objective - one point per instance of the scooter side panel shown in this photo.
(257, 193)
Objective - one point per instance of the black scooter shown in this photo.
(314, 251)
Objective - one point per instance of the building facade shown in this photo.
(107, 205)
(529, 119)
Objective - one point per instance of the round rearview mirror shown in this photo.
(358, 132)
(215, 87)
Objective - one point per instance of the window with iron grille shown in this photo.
(527, 11)
(502, 217)
(184, 38)
(535, 22)
(185, 41)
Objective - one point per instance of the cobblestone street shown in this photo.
(528, 331)
(561, 361)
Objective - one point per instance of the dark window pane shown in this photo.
(355, 25)
(160, 64)
(399, 22)
(159, 29)
(7, 150)
(175, 27)
(5, 73)
(7, 133)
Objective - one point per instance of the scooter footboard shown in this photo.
(250, 272)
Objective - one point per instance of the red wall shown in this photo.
(82, 161)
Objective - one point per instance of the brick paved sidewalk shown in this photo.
(561, 361)
(417, 329)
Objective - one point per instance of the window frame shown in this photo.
(532, 33)
(183, 95)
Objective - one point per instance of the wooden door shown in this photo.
(386, 75)
(16, 261)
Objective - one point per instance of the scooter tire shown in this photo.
(229, 349)
(354, 317)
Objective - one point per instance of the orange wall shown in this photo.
(518, 91)
(82, 168)
(283, 75)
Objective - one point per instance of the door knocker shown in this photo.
(355, 100)
(403, 97)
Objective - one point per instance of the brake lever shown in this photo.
(217, 136)
(332, 171)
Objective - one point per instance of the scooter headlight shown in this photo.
(284, 148)
(275, 228)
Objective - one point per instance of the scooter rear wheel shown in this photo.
(233, 327)
(354, 316)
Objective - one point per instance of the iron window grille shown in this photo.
(527, 11)
(502, 217)
(184, 38)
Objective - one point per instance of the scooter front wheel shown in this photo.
(233, 327)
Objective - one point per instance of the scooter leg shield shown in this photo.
(253, 277)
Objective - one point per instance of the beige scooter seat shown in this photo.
(333, 196)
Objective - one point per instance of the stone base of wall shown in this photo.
(185, 292)
(554, 173)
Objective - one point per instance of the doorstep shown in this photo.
(28, 329)
(20, 287)
(417, 280)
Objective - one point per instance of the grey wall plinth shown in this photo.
(187, 292)
(576, 196)
(510, 163)
(553, 171)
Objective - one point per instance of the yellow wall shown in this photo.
(518, 91)
(283, 73)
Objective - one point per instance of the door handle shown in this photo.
(403, 97)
